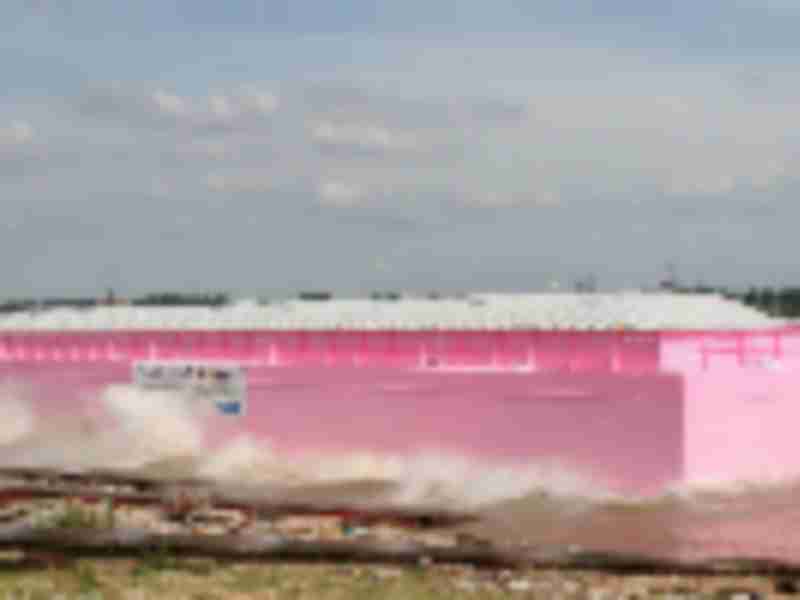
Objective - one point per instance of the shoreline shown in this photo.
(156, 576)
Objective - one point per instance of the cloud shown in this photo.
(454, 140)
(338, 193)
(205, 149)
(222, 107)
(681, 132)
(16, 133)
(20, 155)
(361, 104)
(361, 137)
(705, 141)
(242, 181)
(169, 104)
(239, 109)
(259, 101)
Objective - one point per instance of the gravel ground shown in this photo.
(155, 577)
(160, 575)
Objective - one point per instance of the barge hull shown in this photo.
(633, 411)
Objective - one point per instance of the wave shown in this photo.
(541, 502)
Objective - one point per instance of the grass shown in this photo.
(249, 581)
(76, 515)
(87, 579)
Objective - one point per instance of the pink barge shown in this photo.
(635, 410)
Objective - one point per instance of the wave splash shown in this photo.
(152, 431)
(126, 427)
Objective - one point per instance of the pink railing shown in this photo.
(589, 352)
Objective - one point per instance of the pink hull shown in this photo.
(635, 411)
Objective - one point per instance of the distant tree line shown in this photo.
(158, 299)
(12, 306)
(781, 302)
(777, 302)
(176, 299)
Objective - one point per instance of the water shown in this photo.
(733, 523)
(540, 504)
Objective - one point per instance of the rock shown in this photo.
(598, 594)
(640, 593)
(387, 573)
(736, 594)
(519, 585)
(467, 539)
(456, 569)
(212, 521)
(14, 513)
(678, 592)
(571, 587)
(466, 585)
(436, 539)
(786, 586)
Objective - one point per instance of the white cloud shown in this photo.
(169, 104)
(706, 142)
(213, 149)
(260, 102)
(235, 109)
(16, 133)
(502, 199)
(338, 193)
(682, 133)
(243, 181)
(223, 108)
(363, 136)
(724, 176)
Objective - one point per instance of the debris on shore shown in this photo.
(193, 528)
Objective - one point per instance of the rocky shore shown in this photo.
(69, 536)
(158, 577)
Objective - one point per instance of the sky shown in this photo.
(263, 148)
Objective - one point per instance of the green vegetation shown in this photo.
(781, 302)
(157, 299)
(777, 302)
(386, 296)
(12, 306)
(177, 299)
(110, 514)
(87, 578)
(73, 515)
(315, 296)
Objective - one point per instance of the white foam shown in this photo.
(154, 425)
(458, 481)
(18, 420)
(427, 478)
(245, 460)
